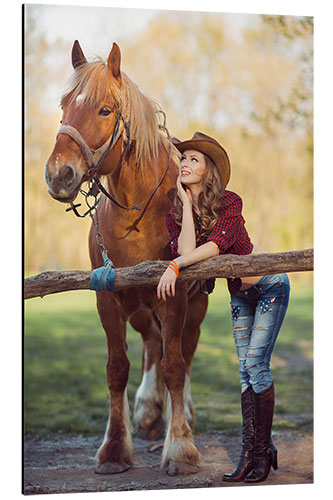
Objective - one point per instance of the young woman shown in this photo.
(207, 220)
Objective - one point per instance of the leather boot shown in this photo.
(265, 452)
(245, 463)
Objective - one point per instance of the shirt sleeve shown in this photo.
(228, 226)
(174, 231)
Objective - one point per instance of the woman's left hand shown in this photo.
(167, 284)
(184, 192)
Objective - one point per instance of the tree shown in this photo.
(253, 92)
(51, 239)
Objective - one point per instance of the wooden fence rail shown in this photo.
(149, 272)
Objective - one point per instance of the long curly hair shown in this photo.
(210, 202)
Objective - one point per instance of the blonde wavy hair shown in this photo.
(210, 201)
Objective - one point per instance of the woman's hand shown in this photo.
(183, 192)
(167, 284)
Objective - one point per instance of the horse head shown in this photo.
(91, 125)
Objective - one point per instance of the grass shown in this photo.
(65, 359)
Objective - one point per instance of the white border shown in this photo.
(11, 238)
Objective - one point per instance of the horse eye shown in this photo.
(104, 111)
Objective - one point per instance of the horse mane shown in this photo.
(94, 83)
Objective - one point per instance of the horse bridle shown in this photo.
(95, 159)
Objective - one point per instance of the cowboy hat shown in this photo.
(210, 147)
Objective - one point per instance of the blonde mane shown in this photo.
(94, 83)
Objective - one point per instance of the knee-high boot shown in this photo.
(245, 463)
(265, 452)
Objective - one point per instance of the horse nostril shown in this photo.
(68, 174)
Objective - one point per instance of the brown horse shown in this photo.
(139, 165)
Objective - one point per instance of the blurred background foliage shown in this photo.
(249, 88)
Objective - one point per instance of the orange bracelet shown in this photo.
(174, 267)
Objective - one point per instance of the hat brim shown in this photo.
(214, 151)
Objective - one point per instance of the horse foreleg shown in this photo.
(179, 453)
(116, 452)
(196, 310)
(148, 406)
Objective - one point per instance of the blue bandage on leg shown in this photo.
(103, 277)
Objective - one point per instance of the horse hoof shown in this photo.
(154, 432)
(177, 468)
(111, 468)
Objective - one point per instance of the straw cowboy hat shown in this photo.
(210, 147)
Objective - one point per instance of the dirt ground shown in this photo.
(66, 465)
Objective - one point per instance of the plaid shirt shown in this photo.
(229, 233)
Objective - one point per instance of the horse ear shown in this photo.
(78, 57)
(114, 60)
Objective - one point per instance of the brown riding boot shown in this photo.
(265, 452)
(245, 463)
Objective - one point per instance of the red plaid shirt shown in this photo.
(229, 233)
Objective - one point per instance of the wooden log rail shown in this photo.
(149, 272)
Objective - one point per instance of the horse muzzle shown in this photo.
(64, 183)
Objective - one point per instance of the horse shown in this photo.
(106, 116)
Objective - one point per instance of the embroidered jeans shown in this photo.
(257, 315)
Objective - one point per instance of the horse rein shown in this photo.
(95, 159)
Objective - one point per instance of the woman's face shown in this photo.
(192, 167)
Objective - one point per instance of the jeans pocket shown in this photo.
(266, 304)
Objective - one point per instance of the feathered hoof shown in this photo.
(111, 468)
(179, 468)
(154, 432)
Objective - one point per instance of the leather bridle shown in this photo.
(95, 159)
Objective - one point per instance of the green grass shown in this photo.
(65, 359)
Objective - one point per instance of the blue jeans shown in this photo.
(257, 316)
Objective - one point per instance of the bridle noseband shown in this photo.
(93, 157)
